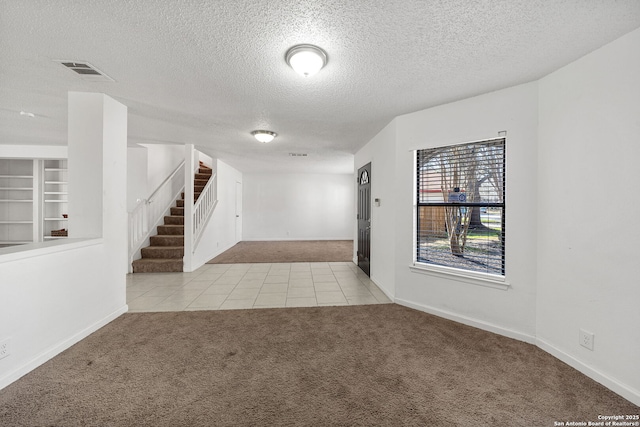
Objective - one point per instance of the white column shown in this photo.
(189, 171)
(97, 171)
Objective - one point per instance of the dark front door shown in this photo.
(364, 218)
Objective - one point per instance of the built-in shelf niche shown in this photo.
(17, 202)
(54, 199)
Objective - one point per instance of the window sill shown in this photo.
(452, 274)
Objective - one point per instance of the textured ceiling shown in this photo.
(210, 72)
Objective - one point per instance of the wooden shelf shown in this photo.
(56, 192)
(56, 182)
(55, 169)
(19, 200)
(55, 201)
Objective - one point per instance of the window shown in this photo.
(460, 206)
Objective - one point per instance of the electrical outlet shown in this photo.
(4, 348)
(586, 339)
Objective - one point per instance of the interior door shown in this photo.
(238, 211)
(364, 218)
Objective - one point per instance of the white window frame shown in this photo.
(438, 271)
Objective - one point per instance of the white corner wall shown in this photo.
(588, 250)
(296, 206)
(54, 294)
(220, 233)
(381, 153)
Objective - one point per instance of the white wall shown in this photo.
(53, 294)
(219, 234)
(381, 152)
(137, 166)
(293, 206)
(162, 160)
(49, 302)
(588, 246)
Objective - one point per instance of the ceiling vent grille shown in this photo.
(298, 154)
(86, 71)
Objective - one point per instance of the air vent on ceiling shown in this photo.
(86, 71)
(298, 154)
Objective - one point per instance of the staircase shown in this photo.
(166, 251)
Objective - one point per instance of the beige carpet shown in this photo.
(327, 366)
(287, 251)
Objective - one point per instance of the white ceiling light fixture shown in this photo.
(264, 136)
(306, 59)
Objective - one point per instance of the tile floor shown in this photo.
(237, 286)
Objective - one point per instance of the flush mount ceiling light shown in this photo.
(306, 59)
(264, 136)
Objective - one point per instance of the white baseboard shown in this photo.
(384, 291)
(486, 326)
(612, 384)
(59, 348)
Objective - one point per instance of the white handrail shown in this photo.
(150, 211)
(203, 208)
(166, 180)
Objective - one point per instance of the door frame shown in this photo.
(364, 224)
(238, 212)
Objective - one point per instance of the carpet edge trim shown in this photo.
(294, 239)
(608, 381)
(58, 348)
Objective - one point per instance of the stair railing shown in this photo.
(149, 212)
(203, 208)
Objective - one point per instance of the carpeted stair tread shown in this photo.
(146, 265)
(163, 252)
(171, 229)
(180, 203)
(167, 240)
(177, 211)
(174, 220)
(205, 171)
(200, 182)
(204, 176)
